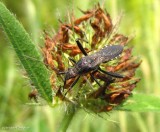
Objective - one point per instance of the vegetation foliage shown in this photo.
(146, 44)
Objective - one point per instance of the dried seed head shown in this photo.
(96, 26)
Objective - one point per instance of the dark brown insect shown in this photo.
(91, 63)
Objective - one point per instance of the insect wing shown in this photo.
(110, 52)
(90, 62)
(96, 59)
(106, 54)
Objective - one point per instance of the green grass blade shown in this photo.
(27, 52)
(142, 103)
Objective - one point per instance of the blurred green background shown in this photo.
(141, 18)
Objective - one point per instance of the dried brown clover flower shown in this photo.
(96, 26)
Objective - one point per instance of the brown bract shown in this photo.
(97, 27)
(33, 95)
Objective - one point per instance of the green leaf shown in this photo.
(141, 103)
(27, 52)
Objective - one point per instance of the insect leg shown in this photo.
(111, 73)
(72, 60)
(95, 79)
(75, 81)
(81, 47)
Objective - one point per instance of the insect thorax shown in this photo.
(71, 73)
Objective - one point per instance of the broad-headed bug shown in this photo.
(90, 63)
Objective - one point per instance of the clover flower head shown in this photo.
(96, 27)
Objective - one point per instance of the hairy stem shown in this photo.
(67, 119)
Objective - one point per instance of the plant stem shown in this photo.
(66, 120)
